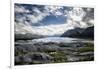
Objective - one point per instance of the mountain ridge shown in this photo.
(80, 33)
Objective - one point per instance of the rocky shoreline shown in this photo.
(28, 52)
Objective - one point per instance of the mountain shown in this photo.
(80, 33)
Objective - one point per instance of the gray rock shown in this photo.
(87, 53)
(32, 58)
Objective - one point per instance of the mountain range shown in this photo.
(80, 33)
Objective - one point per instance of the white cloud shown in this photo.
(36, 10)
(33, 18)
(74, 19)
(51, 29)
(55, 10)
(20, 9)
(76, 16)
(41, 30)
(21, 28)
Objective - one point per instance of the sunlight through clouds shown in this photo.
(31, 19)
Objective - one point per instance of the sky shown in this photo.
(49, 20)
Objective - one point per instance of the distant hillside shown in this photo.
(80, 33)
(27, 36)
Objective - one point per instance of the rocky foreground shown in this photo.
(28, 52)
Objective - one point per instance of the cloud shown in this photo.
(20, 9)
(21, 28)
(77, 14)
(35, 15)
(23, 15)
(51, 30)
(26, 18)
(55, 10)
(81, 17)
